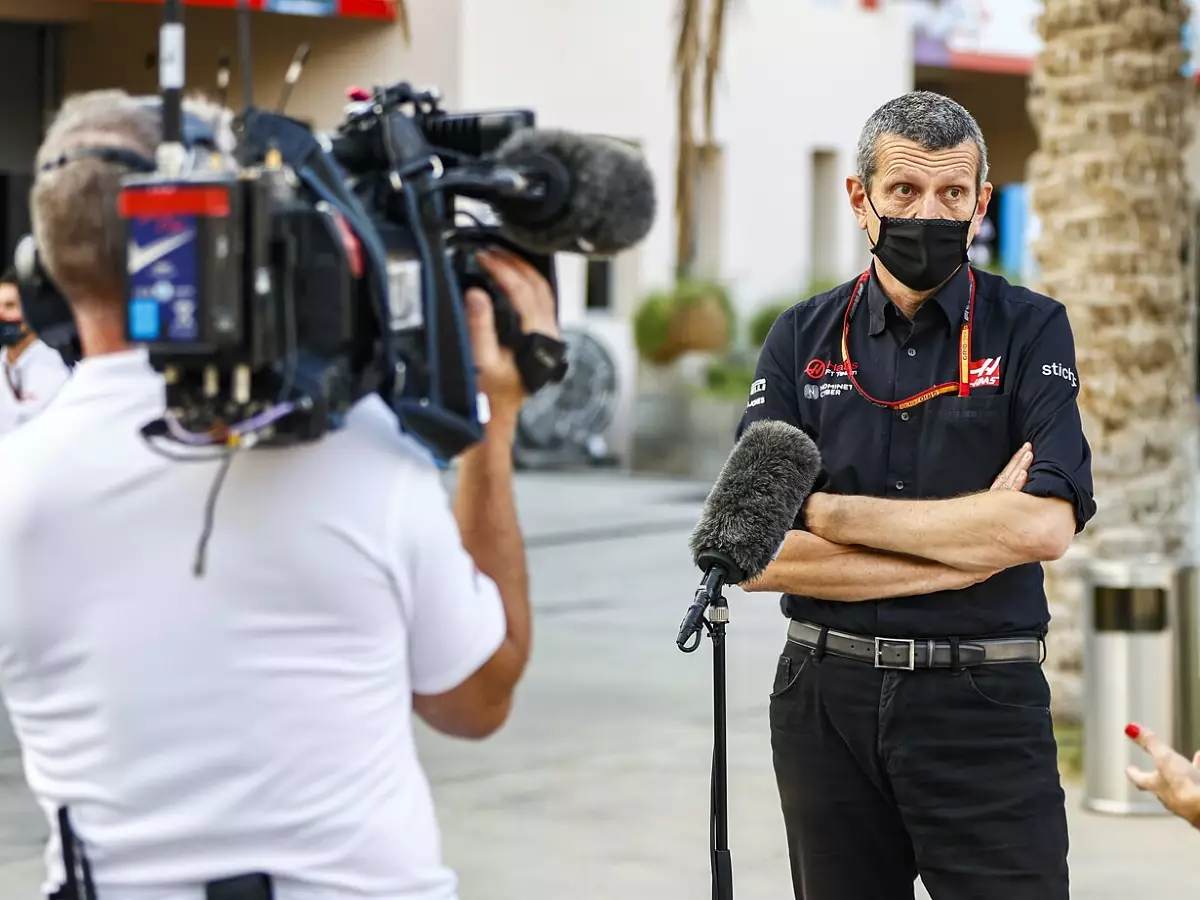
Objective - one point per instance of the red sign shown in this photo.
(382, 10)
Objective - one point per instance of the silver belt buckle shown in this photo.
(881, 643)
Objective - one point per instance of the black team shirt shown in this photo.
(1024, 387)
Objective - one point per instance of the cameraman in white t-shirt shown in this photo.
(258, 719)
(33, 371)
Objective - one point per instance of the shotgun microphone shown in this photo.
(557, 191)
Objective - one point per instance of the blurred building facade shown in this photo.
(798, 79)
(792, 98)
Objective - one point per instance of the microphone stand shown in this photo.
(710, 599)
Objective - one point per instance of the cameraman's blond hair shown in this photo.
(73, 207)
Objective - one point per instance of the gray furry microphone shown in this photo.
(749, 511)
(755, 500)
(596, 193)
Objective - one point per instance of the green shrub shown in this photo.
(820, 286)
(660, 324)
(694, 290)
(761, 322)
(652, 326)
(728, 379)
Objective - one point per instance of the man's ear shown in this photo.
(983, 201)
(981, 207)
(857, 192)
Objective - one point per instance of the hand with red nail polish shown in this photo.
(1174, 781)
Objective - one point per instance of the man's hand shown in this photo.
(533, 300)
(1014, 475)
(1174, 781)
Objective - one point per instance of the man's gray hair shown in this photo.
(73, 206)
(932, 120)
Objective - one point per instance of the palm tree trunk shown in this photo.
(687, 56)
(404, 20)
(1109, 102)
(713, 52)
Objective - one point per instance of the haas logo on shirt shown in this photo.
(819, 368)
(986, 372)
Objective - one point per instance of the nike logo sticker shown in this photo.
(140, 257)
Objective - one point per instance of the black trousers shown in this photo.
(885, 775)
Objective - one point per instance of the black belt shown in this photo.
(917, 653)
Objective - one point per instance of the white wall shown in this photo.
(585, 66)
(797, 77)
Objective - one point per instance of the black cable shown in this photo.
(210, 505)
(210, 514)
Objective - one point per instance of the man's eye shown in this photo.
(955, 193)
(903, 189)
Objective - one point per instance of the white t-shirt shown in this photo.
(29, 384)
(258, 718)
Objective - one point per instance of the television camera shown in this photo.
(276, 289)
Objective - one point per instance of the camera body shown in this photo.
(243, 293)
(275, 295)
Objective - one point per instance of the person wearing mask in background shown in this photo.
(33, 371)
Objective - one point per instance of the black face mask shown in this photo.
(921, 253)
(11, 333)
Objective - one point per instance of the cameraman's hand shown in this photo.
(533, 300)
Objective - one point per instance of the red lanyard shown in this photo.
(962, 386)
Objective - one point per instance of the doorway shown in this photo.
(30, 55)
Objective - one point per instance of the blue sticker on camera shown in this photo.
(144, 320)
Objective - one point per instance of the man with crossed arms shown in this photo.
(910, 717)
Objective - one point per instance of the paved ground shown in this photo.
(598, 787)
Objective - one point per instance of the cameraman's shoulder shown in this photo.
(373, 429)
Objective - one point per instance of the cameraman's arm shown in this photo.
(484, 504)
(487, 518)
(468, 596)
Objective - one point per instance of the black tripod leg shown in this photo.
(722, 862)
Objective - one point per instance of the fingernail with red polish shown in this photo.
(1132, 730)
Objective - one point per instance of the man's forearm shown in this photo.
(485, 507)
(815, 567)
(988, 531)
